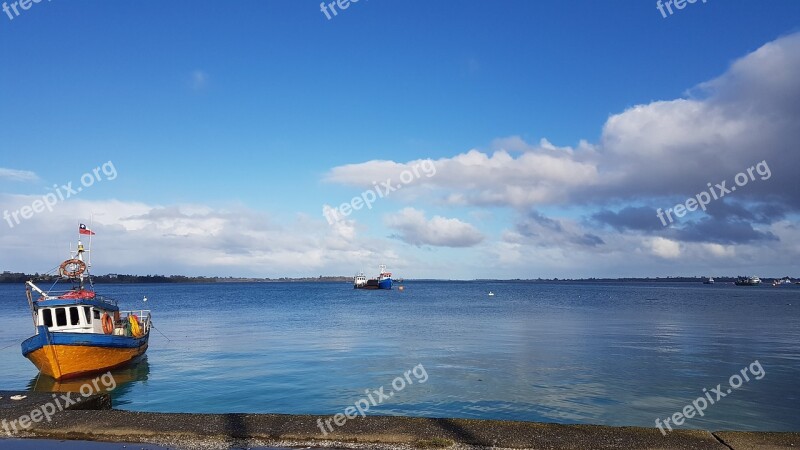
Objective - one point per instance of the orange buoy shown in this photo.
(108, 324)
(72, 268)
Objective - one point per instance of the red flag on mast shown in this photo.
(83, 230)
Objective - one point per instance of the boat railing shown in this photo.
(60, 295)
(143, 314)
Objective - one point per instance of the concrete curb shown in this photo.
(380, 431)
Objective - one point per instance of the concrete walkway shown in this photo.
(92, 419)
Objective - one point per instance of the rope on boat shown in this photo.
(54, 285)
(9, 345)
(154, 327)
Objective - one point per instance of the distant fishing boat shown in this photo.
(491, 294)
(79, 332)
(382, 281)
(747, 281)
(786, 281)
(709, 280)
(359, 281)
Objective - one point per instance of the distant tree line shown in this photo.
(9, 277)
(21, 278)
(16, 277)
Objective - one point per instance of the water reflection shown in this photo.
(612, 354)
(125, 378)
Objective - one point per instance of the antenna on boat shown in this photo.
(89, 258)
(91, 225)
(79, 256)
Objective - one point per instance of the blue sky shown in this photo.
(232, 124)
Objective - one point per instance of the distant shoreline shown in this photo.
(21, 278)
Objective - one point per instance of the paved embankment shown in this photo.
(225, 430)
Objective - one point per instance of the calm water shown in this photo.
(615, 354)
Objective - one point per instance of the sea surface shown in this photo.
(593, 353)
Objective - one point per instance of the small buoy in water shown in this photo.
(401, 288)
(144, 299)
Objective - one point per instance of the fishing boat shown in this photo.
(384, 278)
(708, 280)
(382, 281)
(785, 281)
(359, 281)
(747, 281)
(79, 332)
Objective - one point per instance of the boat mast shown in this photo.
(79, 257)
(91, 225)
(89, 255)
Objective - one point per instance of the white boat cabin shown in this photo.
(72, 319)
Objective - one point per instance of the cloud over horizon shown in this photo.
(415, 229)
(582, 210)
(649, 156)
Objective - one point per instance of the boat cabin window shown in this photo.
(73, 315)
(96, 314)
(87, 311)
(47, 315)
(61, 317)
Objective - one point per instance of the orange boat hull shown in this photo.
(70, 361)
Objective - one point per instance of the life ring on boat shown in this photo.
(72, 268)
(136, 329)
(108, 324)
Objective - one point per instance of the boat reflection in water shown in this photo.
(125, 379)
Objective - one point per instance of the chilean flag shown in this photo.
(83, 230)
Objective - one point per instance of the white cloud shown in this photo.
(665, 248)
(541, 175)
(655, 150)
(720, 251)
(649, 156)
(17, 175)
(135, 237)
(415, 229)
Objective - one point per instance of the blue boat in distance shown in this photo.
(383, 281)
(385, 278)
